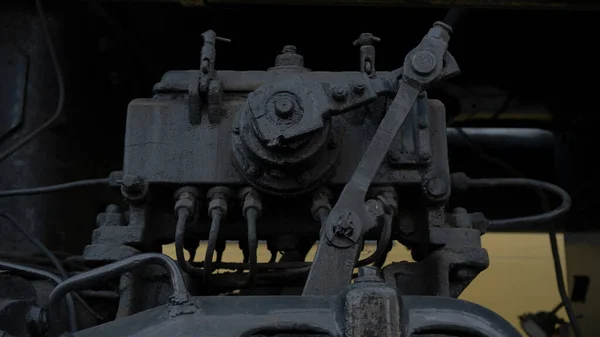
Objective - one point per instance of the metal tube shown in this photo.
(42, 273)
(89, 278)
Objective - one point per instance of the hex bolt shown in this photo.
(339, 93)
(358, 88)
(368, 274)
(423, 62)
(134, 188)
(436, 187)
(132, 183)
(284, 108)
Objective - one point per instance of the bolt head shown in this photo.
(358, 88)
(423, 62)
(284, 107)
(132, 183)
(339, 93)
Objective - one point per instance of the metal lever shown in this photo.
(208, 90)
(340, 240)
(207, 58)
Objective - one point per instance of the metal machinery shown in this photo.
(293, 157)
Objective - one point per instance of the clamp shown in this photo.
(349, 219)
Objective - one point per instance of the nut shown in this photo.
(187, 203)
(218, 203)
(254, 203)
(339, 93)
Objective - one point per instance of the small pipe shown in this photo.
(251, 216)
(213, 236)
(42, 273)
(182, 217)
(89, 278)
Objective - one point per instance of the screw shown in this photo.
(423, 62)
(284, 108)
(339, 93)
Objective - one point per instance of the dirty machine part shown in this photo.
(291, 157)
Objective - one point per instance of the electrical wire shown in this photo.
(55, 262)
(37, 243)
(545, 217)
(251, 216)
(60, 82)
(558, 272)
(182, 216)
(55, 188)
(42, 273)
(213, 236)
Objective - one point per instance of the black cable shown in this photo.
(37, 243)
(55, 262)
(545, 217)
(89, 278)
(382, 244)
(55, 188)
(251, 216)
(61, 88)
(213, 236)
(551, 233)
(42, 273)
(182, 217)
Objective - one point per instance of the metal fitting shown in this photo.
(387, 196)
(186, 197)
(250, 199)
(321, 200)
(134, 188)
(368, 274)
(218, 199)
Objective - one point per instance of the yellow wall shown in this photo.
(520, 278)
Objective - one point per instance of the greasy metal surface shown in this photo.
(423, 314)
(162, 147)
(13, 67)
(233, 316)
(427, 63)
(305, 316)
